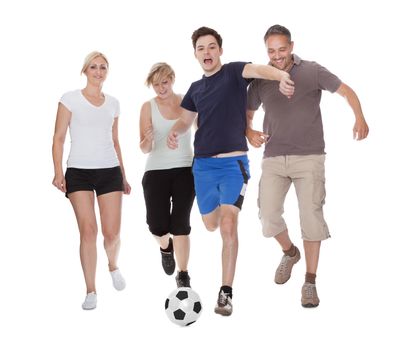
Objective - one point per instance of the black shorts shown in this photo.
(169, 195)
(99, 180)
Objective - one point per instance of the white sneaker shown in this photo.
(90, 302)
(117, 280)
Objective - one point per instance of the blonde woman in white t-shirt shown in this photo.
(94, 165)
(168, 183)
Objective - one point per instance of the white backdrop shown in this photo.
(43, 44)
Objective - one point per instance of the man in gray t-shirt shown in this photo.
(294, 153)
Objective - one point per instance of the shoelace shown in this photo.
(223, 299)
(168, 257)
(309, 291)
(284, 264)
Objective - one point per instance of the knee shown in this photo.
(211, 226)
(111, 235)
(211, 223)
(228, 229)
(272, 224)
(88, 233)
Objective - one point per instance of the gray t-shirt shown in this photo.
(294, 125)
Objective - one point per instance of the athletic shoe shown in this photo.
(168, 260)
(283, 272)
(309, 295)
(117, 279)
(183, 279)
(90, 302)
(224, 305)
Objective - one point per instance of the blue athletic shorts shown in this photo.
(220, 181)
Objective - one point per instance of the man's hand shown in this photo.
(360, 129)
(256, 138)
(286, 86)
(172, 140)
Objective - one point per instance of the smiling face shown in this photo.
(97, 70)
(163, 87)
(208, 52)
(279, 50)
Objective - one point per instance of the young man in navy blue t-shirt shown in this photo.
(220, 168)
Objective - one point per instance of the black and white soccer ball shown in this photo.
(183, 306)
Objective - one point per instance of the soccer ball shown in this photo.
(183, 306)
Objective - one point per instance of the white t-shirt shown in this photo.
(90, 128)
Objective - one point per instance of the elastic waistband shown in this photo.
(243, 157)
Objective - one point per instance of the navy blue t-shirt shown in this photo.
(220, 101)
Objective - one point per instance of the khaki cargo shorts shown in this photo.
(307, 175)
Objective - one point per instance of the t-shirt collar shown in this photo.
(296, 58)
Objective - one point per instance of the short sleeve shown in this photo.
(327, 80)
(253, 99)
(113, 105)
(237, 68)
(188, 102)
(67, 100)
(117, 109)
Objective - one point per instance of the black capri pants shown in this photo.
(169, 195)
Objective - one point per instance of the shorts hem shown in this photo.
(110, 191)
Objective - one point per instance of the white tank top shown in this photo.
(161, 156)
(90, 129)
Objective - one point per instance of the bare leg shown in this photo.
(284, 240)
(228, 231)
(312, 252)
(212, 220)
(182, 250)
(163, 241)
(83, 205)
(110, 205)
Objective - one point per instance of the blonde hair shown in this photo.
(158, 71)
(90, 57)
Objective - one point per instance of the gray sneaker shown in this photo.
(309, 295)
(224, 305)
(283, 272)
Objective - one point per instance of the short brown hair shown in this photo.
(158, 71)
(277, 30)
(206, 31)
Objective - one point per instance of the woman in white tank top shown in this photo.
(94, 164)
(167, 182)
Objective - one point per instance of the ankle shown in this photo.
(227, 290)
(169, 248)
(290, 251)
(112, 267)
(310, 278)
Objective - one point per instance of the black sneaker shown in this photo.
(183, 279)
(168, 260)
(224, 305)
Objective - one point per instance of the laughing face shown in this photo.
(208, 52)
(279, 49)
(163, 87)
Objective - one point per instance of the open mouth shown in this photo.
(208, 60)
(279, 62)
